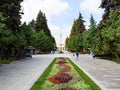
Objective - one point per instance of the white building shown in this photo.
(61, 45)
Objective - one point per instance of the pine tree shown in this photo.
(78, 26)
(41, 23)
(109, 30)
(6, 38)
(41, 27)
(108, 5)
(32, 24)
(75, 40)
(11, 9)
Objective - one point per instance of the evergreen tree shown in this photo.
(41, 23)
(108, 5)
(43, 42)
(11, 9)
(29, 34)
(92, 33)
(6, 38)
(109, 31)
(111, 34)
(75, 40)
(32, 24)
(78, 26)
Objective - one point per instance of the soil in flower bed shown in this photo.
(67, 89)
(61, 62)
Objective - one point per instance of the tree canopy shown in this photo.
(74, 42)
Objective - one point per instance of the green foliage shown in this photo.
(81, 86)
(7, 61)
(14, 37)
(47, 42)
(75, 41)
(89, 36)
(78, 26)
(11, 36)
(6, 36)
(12, 12)
(111, 34)
(41, 23)
(44, 42)
(61, 52)
(29, 34)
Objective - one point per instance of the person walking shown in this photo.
(93, 55)
(77, 54)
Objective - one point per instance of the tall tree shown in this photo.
(92, 33)
(78, 26)
(111, 34)
(44, 43)
(75, 39)
(41, 23)
(6, 38)
(107, 5)
(32, 24)
(29, 34)
(11, 9)
(109, 31)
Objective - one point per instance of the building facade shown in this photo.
(60, 47)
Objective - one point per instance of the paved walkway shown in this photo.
(21, 75)
(105, 73)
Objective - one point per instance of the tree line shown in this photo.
(102, 39)
(16, 36)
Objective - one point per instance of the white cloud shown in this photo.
(54, 7)
(91, 6)
(49, 7)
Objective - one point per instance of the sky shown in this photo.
(61, 14)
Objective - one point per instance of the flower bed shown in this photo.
(62, 75)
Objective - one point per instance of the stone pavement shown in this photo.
(105, 73)
(22, 74)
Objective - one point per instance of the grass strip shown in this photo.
(88, 81)
(7, 61)
(38, 84)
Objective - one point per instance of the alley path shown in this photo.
(22, 74)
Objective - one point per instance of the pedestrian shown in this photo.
(93, 55)
(77, 54)
(73, 54)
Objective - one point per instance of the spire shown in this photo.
(60, 36)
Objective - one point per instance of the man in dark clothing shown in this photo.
(77, 54)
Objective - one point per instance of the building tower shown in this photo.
(60, 46)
